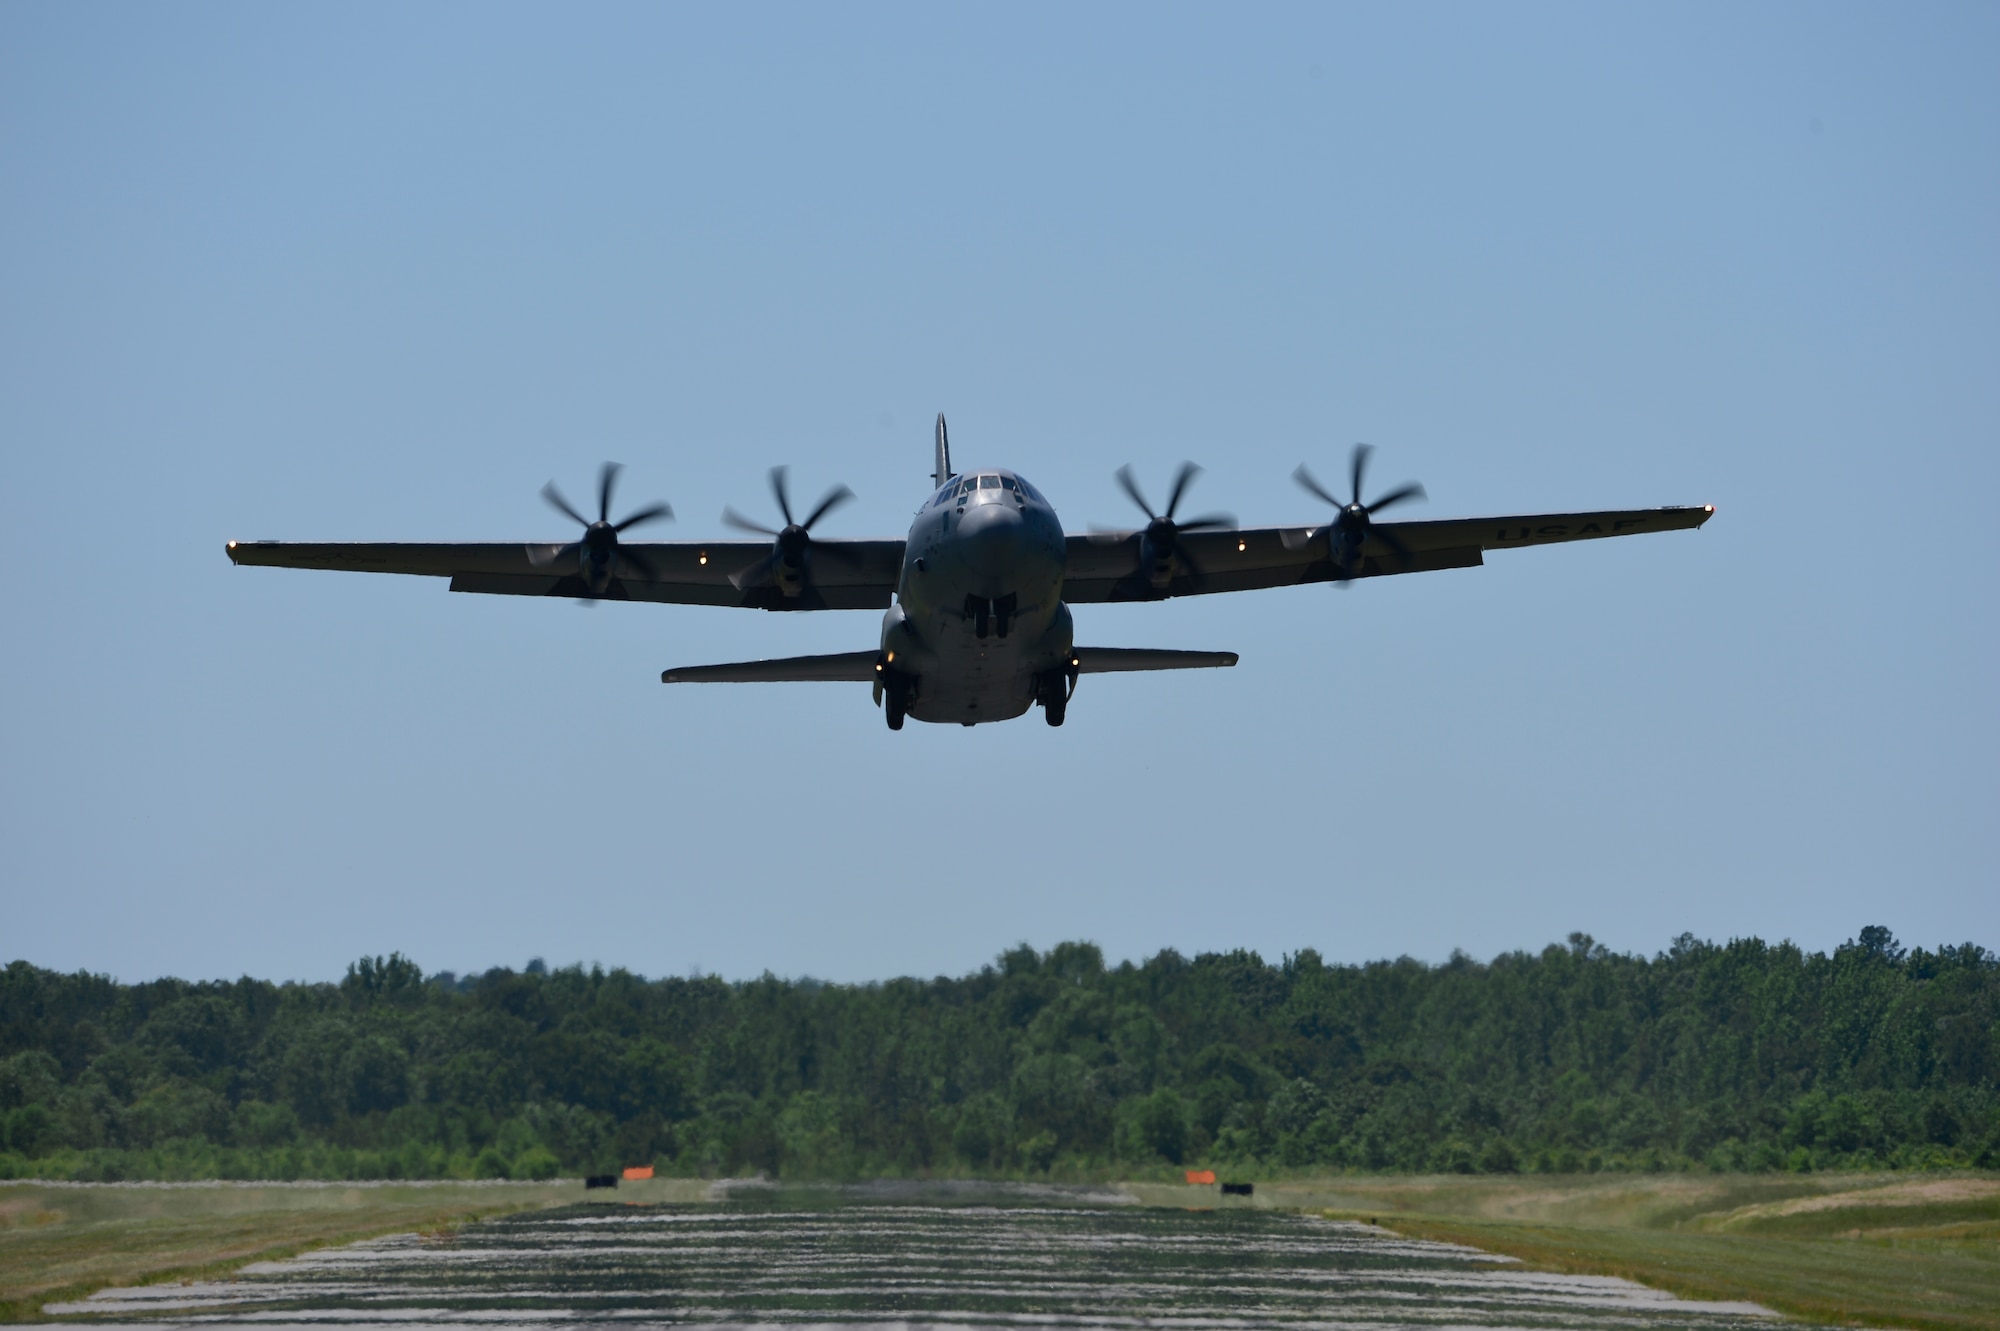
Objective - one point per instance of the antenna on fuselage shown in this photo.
(943, 473)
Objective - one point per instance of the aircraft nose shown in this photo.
(991, 537)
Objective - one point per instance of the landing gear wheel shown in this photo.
(1053, 695)
(895, 702)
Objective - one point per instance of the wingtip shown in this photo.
(229, 547)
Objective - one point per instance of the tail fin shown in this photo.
(943, 473)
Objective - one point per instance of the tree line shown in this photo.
(1736, 1056)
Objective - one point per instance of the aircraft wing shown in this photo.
(1107, 568)
(846, 575)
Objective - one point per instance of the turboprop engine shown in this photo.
(1350, 529)
(597, 554)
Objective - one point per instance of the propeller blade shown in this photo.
(639, 562)
(756, 575)
(741, 523)
(555, 497)
(1311, 486)
(1410, 491)
(1207, 520)
(835, 497)
(654, 513)
(1393, 541)
(1131, 488)
(1110, 535)
(1187, 473)
(1360, 465)
(780, 488)
(837, 551)
(542, 556)
(607, 480)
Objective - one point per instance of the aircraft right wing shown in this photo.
(846, 574)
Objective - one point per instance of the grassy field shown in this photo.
(1873, 1249)
(60, 1242)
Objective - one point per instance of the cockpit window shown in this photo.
(971, 483)
(1007, 483)
(989, 482)
(1032, 493)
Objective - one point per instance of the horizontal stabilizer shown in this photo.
(1104, 660)
(839, 668)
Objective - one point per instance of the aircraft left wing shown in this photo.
(845, 575)
(1235, 559)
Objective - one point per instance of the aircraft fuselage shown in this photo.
(979, 630)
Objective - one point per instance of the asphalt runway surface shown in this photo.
(890, 1264)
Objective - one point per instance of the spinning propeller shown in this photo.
(1351, 528)
(1159, 542)
(787, 564)
(598, 550)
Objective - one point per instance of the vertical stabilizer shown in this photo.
(943, 473)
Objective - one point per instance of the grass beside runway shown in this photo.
(1923, 1284)
(62, 1242)
(1890, 1250)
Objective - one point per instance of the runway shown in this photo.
(908, 1265)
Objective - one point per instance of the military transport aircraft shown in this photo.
(978, 595)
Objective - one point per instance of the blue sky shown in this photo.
(378, 272)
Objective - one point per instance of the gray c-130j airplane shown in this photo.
(978, 595)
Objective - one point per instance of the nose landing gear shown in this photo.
(996, 613)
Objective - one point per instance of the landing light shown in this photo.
(892, 656)
(1242, 545)
(704, 556)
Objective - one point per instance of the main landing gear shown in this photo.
(896, 692)
(1053, 692)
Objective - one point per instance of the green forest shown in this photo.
(1728, 1057)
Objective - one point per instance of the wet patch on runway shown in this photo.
(909, 1265)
